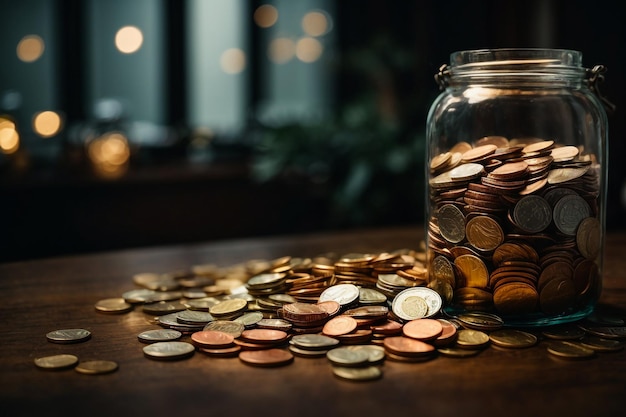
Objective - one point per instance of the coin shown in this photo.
(484, 233)
(250, 319)
(163, 307)
(371, 296)
(473, 270)
(113, 306)
(194, 317)
(479, 152)
(232, 328)
(480, 321)
(517, 298)
(138, 296)
(471, 339)
(448, 334)
(569, 212)
(56, 362)
(266, 357)
(466, 172)
(339, 325)
(212, 339)
(512, 338)
(169, 350)
(409, 307)
(451, 223)
(68, 336)
(423, 329)
(344, 294)
(96, 367)
(343, 356)
(589, 238)
(313, 341)
(367, 373)
(569, 350)
(228, 307)
(532, 214)
(264, 336)
(376, 354)
(442, 270)
(277, 324)
(456, 352)
(602, 345)
(405, 346)
(159, 335)
(563, 332)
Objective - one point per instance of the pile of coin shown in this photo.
(514, 227)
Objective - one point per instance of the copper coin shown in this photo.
(510, 170)
(556, 270)
(339, 325)
(448, 334)
(212, 339)
(499, 141)
(479, 152)
(222, 352)
(557, 296)
(589, 237)
(466, 172)
(440, 161)
(388, 327)
(461, 147)
(332, 307)
(538, 146)
(405, 346)
(423, 329)
(585, 276)
(266, 357)
(484, 233)
(515, 298)
(264, 336)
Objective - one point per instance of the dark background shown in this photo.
(388, 52)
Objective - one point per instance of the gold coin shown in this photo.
(473, 270)
(96, 367)
(515, 298)
(367, 373)
(228, 307)
(569, 350)
(484, 233)
(602, 345)
(471, 339)
(56, 362)
(456, 352)
(512, 338)
(589, 238)
(113, 305)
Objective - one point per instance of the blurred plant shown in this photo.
(370, 155)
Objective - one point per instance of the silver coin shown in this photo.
(466, 172)
(231, 327)
(371, 296)
(569, 211)
(56, 362)
(451, 223)
(169, 350)
(194, 317)
(202, 304)
(276, 324)
(344, 294)
(250, 319)
(159, 335)
(532, 213)
(376, 354)
(68, 336)
(408, 304)
(171, 321)
(313, 341)
(163, 307)
(139, 296)
(342, 356)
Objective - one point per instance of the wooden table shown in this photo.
(45, 295)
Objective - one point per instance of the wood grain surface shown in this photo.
(49, 294)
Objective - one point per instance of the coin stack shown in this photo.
(514, 227)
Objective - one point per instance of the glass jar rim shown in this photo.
(515, 57)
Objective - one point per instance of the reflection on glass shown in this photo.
(30, 48)
(128, 39)
(47, 123)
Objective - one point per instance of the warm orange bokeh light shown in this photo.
(281, 50)
(233, 61)
(309, 50)
(265, 16)
(9, 138)
(30, 48)
(315, 23)
(47, 123)
(128, 39)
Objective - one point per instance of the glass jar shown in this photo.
(516, 165)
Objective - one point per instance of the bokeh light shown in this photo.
(9, 137)
(30, 48)
(316, 23)
(309, 50)
(281, 50)
(47, 123)
(109, 154)
(265, 16)
(128, 39)
(233, 61)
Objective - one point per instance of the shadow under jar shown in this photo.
(517, 171)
